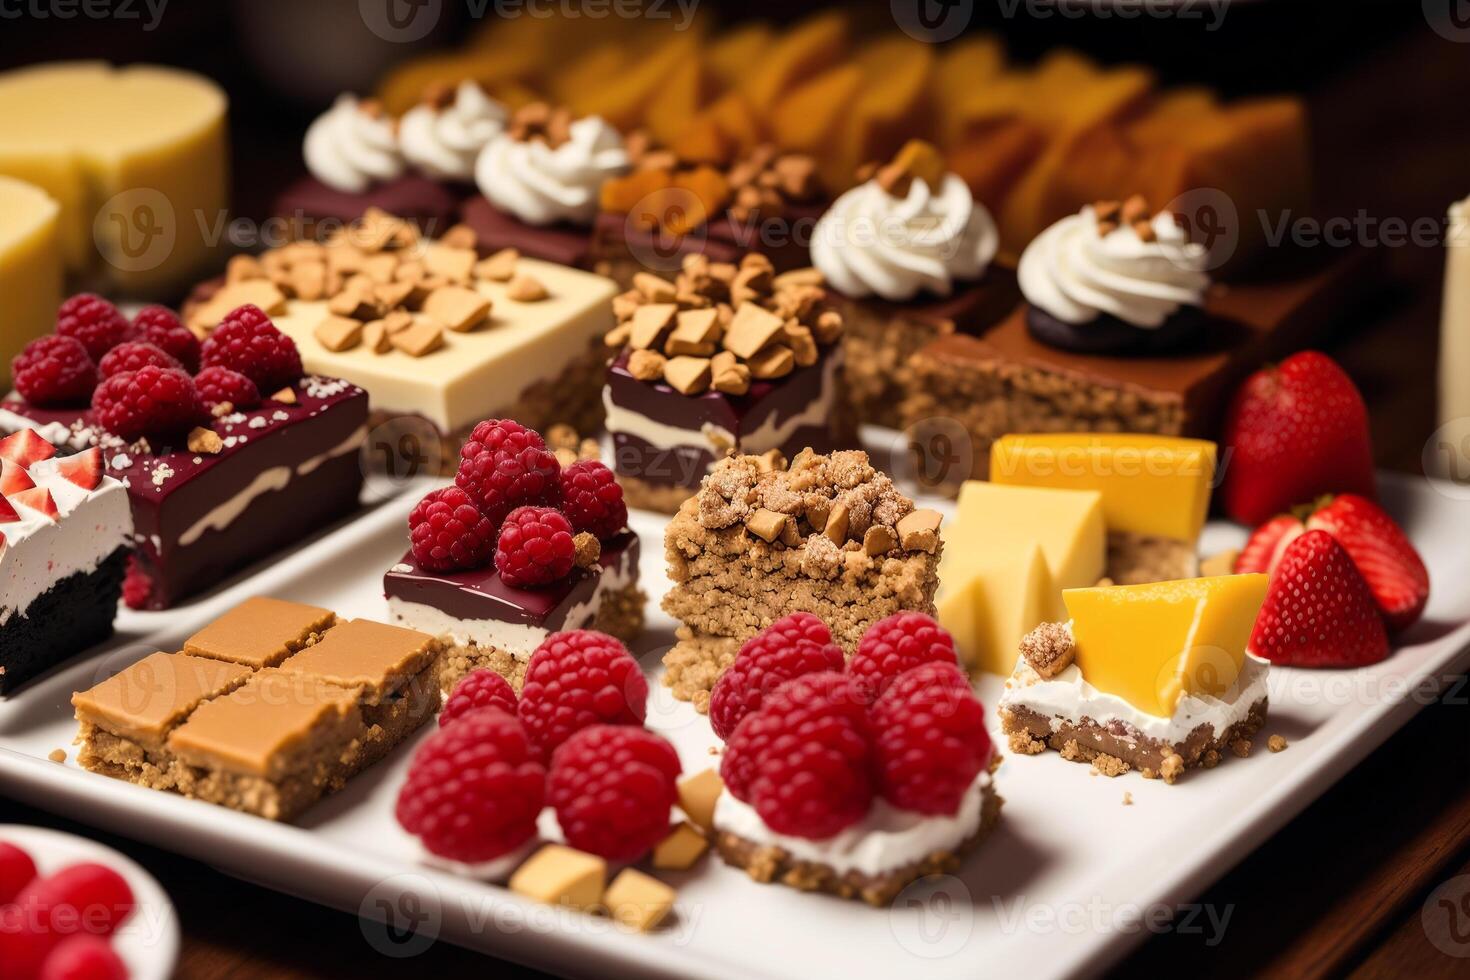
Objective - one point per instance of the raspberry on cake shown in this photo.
(724, 358)
(515, 551)
(438, 335)
(831, 787)
(827, 535)
(217, 479)
(576, 679)
(65, 530)
(613, 787)
(1152, 677)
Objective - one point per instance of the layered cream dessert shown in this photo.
(1150, 677)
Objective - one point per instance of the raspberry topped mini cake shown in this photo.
(723, 359)
(227, 449)
(517, 549)
(1150, 677)
(854, 780)
(65, 531)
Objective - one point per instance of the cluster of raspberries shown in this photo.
(151, 377)
(573, 740)
(513, 503)
(809, 742)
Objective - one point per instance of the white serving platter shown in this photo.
(148, 942)
(1071, 879)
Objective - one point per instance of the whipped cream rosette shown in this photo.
(351, 147)
(443, 139)
(542, 184)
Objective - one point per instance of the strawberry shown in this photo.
(1383, 554)
(8, 513)
(1263, 550)
(25, 447)
(38, 499)
(83, 469)
(14, 478)
(1319, 612)
(1294, 432)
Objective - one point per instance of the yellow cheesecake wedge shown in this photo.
(30, 267)
(1152, 644)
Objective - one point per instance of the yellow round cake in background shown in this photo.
(31, 267)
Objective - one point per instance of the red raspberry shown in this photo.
(474, 789)
(93, 321)
(896, 645)
(580, 678)
(505, 465)
(535, 547)
(137, 587)
(81, 897)
(84, 958)
(220, 384)
(802, 760)
(448, 533)
(798, 644)
(247, 341)
(481, 688)
(161, 327)
(16, 871)
(613, 787)
(929, 739)
(133, 354)
(151, 401)
(592, 499)
(54, 371)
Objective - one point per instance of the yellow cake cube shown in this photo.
(1008, 554)
(30, 267)
(1156, 486)
(1152, 644)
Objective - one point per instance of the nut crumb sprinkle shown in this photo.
(57, 755)
(1276, 743)
(1127, 798)
(1048, 649)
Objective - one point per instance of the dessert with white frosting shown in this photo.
(1153, 678)
(909, 255)
(453, 581)
(217, 477)
(65, 530)
(723, 358)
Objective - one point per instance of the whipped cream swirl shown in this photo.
(444, 142)
(870, 242)
(1076, 274)
(541, 185)
(350, 149)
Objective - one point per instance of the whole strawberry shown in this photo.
(151, 401)
(1319, 612)
(613, 787)
(1293, 433)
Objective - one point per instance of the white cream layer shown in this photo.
(885, 840)
(39, 552)
(1068, 699)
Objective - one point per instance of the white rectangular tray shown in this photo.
(1068, 882)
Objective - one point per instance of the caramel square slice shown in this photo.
(374, 658)
(260, 632)
(146, 701)
(277, 724)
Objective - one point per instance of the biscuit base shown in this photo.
(769, 863)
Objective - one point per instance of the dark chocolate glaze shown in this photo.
(785, 239)
(564, 244)
(1109, 335)
(428, 203)
(481, 594)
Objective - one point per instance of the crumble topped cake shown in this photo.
(519, 548)
(828, 535)
(724, 359)
(429, 328)
(854, 780)
(268, 709)
(1151, 677)
(65, 530)
(908, 256)
(227, 450)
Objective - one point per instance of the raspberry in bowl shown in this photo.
(227, 450)
(516, 550)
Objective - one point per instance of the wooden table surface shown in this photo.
(1342, 889)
